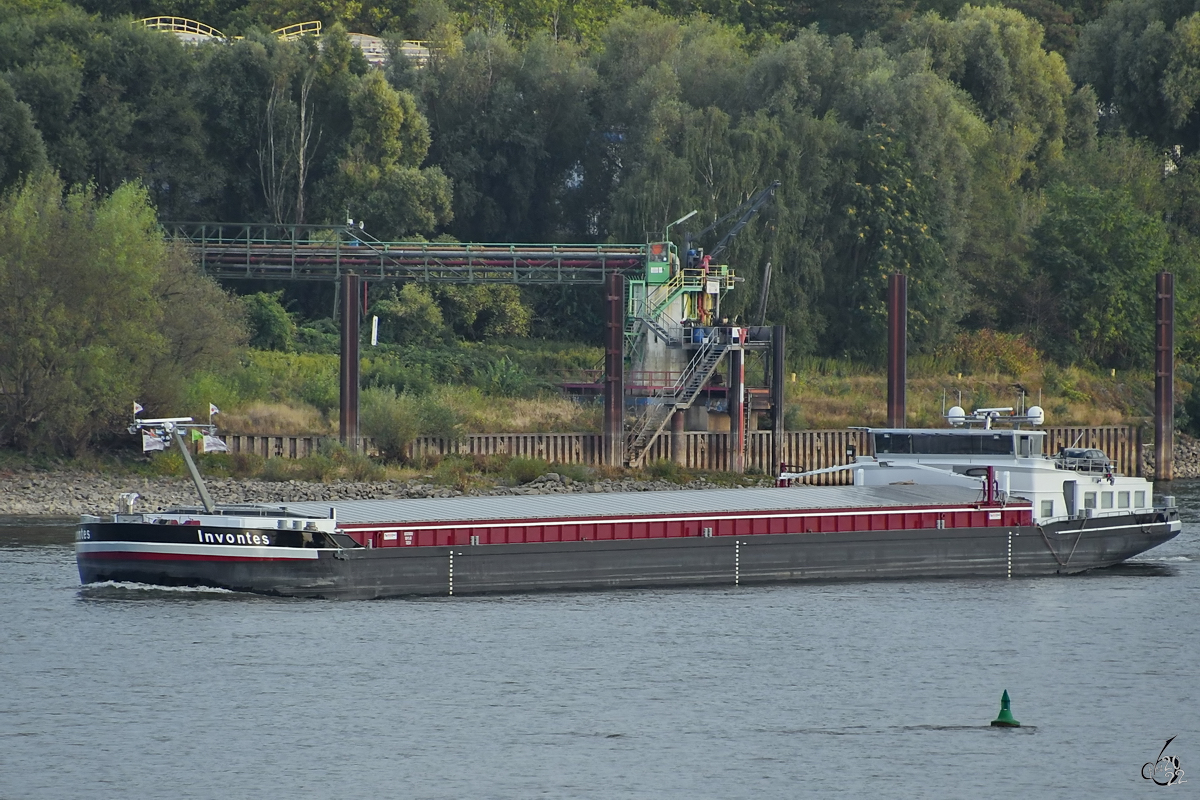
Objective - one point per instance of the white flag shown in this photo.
(213, 409)
(151, 442)
(213, 444)
(137, 408)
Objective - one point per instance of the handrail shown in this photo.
(179, 25)
(291, 32)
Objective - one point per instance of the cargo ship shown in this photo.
(977, 499)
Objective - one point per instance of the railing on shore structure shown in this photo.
(700, 451)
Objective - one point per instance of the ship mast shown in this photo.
(171, 426)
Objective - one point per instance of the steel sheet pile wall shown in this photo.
(275, 446)
(1121, 443)
(556, 448)
(702, 451)
(820, 449)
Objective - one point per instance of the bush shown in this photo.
(987, 351)
(435, 418)
(507, 379)
(271, 327)
(664, 470)
(168, 462)
(317, 467)
(393, 373)
(322, 390)
(456, 471)
(245, 465)
(409, 315)
(522, 470)
(277, 469)
(576, 472)
(389, 419)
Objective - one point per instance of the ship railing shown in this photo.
(1093, 466)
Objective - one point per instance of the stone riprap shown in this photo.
(74, 493)
(1187, 458)
(67, 493)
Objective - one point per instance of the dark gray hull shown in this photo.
(363, 573)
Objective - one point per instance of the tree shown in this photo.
(997, 56)
(1098, 254)
(109, 101)
(1143, 58)
(409, 315)
(511, 125)
(21, 150)
(379, 177)
(85, 292)
(271, 326)
(480, 311)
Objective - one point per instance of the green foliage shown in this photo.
(986, 351)
(482, 311)
(21, 150)
(664, 469)
(89, 317)
(1099, 254)
(396, 374)
(379, 174)
(1141, 56)
(390, 420)
(409, 315)
(507, 379)
(437, 419)
(272, 328)
(168, 462)
(521, 470)
(925, 142)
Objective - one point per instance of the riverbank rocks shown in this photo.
(1187, 458)
(69, 494)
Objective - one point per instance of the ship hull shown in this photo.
(119, 552)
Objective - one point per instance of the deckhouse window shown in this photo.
(1106, 499)
(1139, 499)
(945, 444)
(1122, 499)
(1047, 508)
(1089, 499)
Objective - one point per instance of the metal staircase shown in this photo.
(663, 403)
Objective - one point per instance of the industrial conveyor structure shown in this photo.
(665, 340)
(325, 253)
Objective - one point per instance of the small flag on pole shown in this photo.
(137, 408)
(196, 435)
(151, 442)
(212, 410)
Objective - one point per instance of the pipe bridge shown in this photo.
(327, 252)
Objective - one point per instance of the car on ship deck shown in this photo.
(1083, 459)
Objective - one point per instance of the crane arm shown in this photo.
(747, 209)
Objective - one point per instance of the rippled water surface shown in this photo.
(866, 689)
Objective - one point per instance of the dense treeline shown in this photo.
(1029, 166)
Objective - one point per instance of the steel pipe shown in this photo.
(897, 300)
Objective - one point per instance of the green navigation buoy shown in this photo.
(1005, 718)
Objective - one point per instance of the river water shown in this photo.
(881, 689)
